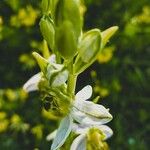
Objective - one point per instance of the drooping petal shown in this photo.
(106, 130)
(51, 136)
(84, 94)
(32, 83)
(62, 133)
(93, 110)
(87, 119)
(79, 143)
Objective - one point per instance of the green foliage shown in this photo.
(121, 80)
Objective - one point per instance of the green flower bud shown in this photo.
(107, 34)
(66, 42)
(48, 32)
(69, 10)
(88, 49)
(42, 62)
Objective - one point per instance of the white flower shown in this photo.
(80, 141)
(88, 115)
(33, 82)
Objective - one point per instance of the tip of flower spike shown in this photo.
(42, 62)
(107, 34)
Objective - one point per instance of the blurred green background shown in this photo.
(120, 76)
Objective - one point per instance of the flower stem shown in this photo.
(71, 80)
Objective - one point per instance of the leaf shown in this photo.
(62, 133)
(79, 143)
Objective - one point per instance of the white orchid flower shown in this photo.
(33, 82)
(87, 114)
(80, 141)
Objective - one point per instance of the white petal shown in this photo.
(79, 128)
(86, 119)
(60, 79)
(84, 94)
(93, 109)
(52, 59)
(32, 83)
(51, 136)
(79, 143)
(62, 133)
(106, 130)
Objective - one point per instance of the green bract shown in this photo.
(89, 47)
(47, 29)
(42, 62)
(107, 34)
(66, 42)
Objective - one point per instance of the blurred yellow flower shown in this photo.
(25, 17)
(2, 115)
(4, 125)
(10, 94)
(48, 115)
(15, 119)
(106, 54)
(144, 17)
(38, 131)
(1, 20)
(102, 91)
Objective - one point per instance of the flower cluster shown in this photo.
(73, 52)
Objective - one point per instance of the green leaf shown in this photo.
(48, 32)
(88, 49)
(62, 133)
(42, 62)
(66, 42)
(107, 34)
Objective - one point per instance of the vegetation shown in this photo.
(120, 75)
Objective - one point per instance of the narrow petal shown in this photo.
(93, 110)
(52, 59)
(32, 83)
(84, 94)
(106, 130)
(51, 136)
(79, 143)
(62, 133)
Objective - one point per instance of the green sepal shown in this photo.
(107, 34)
(69, 10)
(42, 62)
(66, 41)
(88, 49)
(48, 31)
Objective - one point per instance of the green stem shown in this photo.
(71, 80)
(72, 84)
